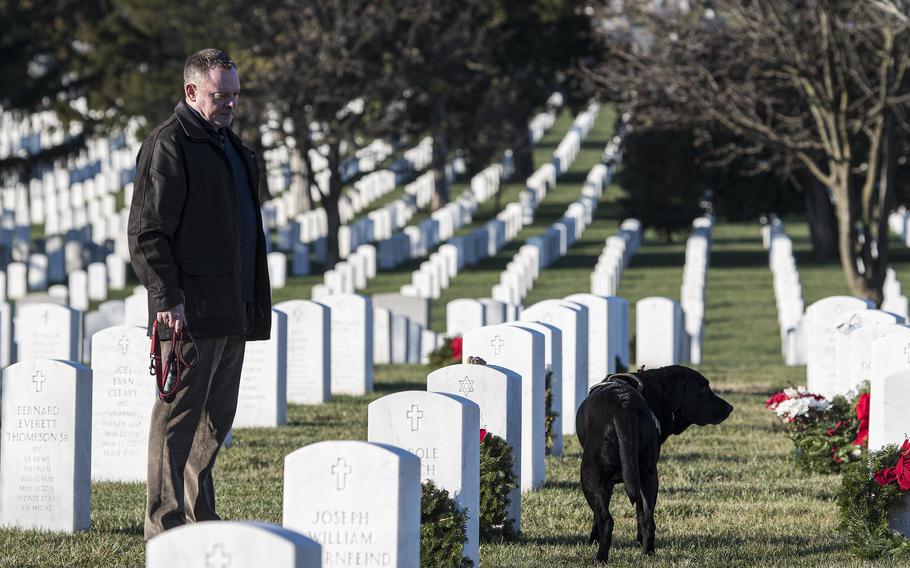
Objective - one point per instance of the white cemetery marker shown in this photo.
(278, 270)
(382, 336)
(361, 501)
(821, 317)
(308, 351)
(97, 281)
(399, 339)
(123, 394)
(601, 347)
(443, 430)
(464, 315)
(855, 333)
(658, 328)
(521, 351)
(136, 308)
(573, 323)
(78, 288)
(232, 544)
(16, 280)
(45, 458)
(48, 331)
(554, 365)
(497, 393)
(352, 343)
(890, 356)
(263, 379)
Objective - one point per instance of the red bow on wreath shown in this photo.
(862, 414)
(456, 348)
(900, 473)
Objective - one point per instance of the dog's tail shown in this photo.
(626, 424)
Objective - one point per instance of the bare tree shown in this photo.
(818, 82)
(329, 71)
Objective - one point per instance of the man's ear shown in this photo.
(190, 90)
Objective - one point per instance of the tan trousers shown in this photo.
(185, 435)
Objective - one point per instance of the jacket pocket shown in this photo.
(210, 290)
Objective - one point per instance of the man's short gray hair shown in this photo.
(200, 63)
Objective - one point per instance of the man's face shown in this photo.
(216, 96)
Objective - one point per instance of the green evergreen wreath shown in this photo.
(442, 530)
(863, 506)
(550, 413)
(497, 480)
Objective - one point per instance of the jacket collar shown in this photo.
(195, 127)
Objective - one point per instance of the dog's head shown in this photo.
(697, 403)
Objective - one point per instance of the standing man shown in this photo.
(197, 245)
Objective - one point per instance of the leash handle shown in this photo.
(169, 375)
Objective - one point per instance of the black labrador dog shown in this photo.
(621, 426)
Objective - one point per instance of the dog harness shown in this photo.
(638, 386)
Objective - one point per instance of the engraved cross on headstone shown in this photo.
(45, 317)
(414, 415)
(217, 558)
(496, 343)
(466, 386)
(124, 344)
(39, 379)
(341, 470)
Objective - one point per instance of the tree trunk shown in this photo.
(822, 221)
(860, 280)
(301, 176)
(522, 155)
(330, 203)
(440, 155)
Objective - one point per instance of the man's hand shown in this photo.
(174, 318)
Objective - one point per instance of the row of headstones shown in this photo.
(396, 247)
(788, 294)
(80, 288)
(301, 233)
(51, 427)
(614, 258)
(692, 291)
(382, 224)
(792, 315)
(422, 239)
(541, 251)
(543, 179)
(281, 162)
(851, 342)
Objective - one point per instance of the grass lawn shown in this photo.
(730, 494)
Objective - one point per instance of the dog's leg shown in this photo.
(646, 520)
(598, 492)
(595, 531)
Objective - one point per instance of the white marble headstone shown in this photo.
(520, 351)
(123, 394)
(48, 331)
(658, 330)
(890, 356)
(361, 501)
(497, 393)
(572, 321)
(46, 452)
(464, 315)
(263, 379)
(232, 544)
(308, 351)
(443, 430)
(352, 343)
(821, 319)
